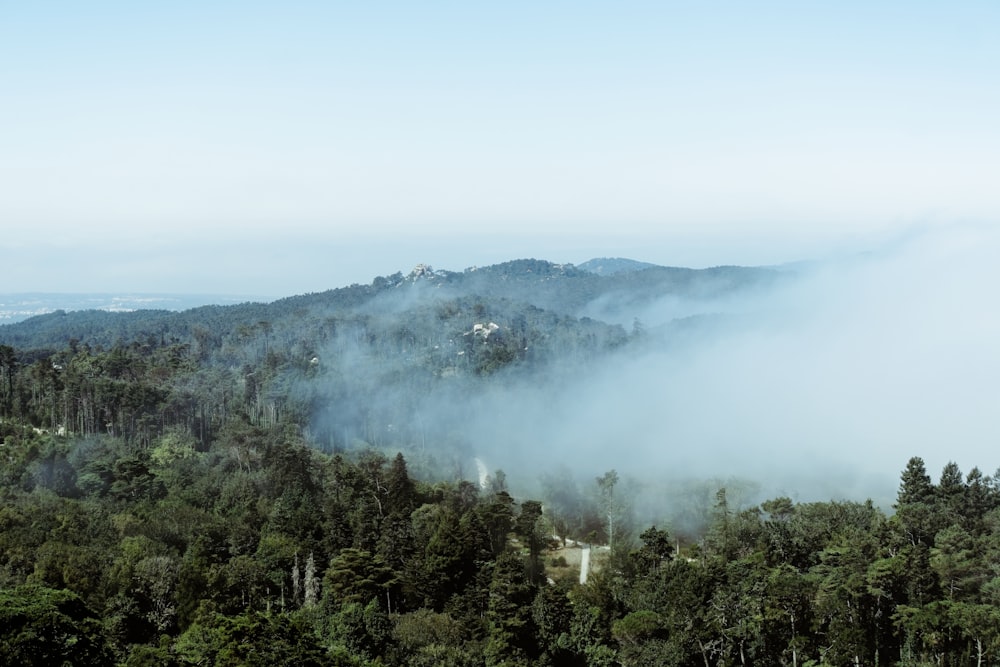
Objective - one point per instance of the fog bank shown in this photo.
(819, 388)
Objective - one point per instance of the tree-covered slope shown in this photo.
(561, 288)
(391, 363)
(291, 483)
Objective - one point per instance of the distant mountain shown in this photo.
(430, 356)
(606, 266)
(514, 288)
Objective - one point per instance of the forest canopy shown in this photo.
(264, 484)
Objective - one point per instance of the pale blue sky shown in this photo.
(322, 143)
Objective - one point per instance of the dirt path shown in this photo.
(577, 558)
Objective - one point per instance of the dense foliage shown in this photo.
(262, 550)
(377, 364)
(221, 487)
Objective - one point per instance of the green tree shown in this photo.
(787, 613)
(915, 503)
(356, 576)
(980, 625)
(423, 638)
(640, 637)
(43, 627)
(133, 480)
(401, 496)
(8, 374)
(980, 498)
(961, 569)
(552, 613)
(846, 611)
(950, 496)
(362, 631)
(656, 551)
(527, 528)
(252, 639)
(512, 633)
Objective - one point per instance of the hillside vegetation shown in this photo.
(291, 483)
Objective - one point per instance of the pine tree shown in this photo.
(950, 496)
(401, 494)
(979, 499)
(526, 526)
(915, 503)
(915, 484)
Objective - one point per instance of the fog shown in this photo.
(818, 386)
(821, 387)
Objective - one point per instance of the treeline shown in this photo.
(834, 583)
(366, 365)
(262, 550)
(346, 375)
(560, 289)
(222, 487)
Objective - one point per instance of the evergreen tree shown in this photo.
(950, 496)
(527, 529)
(401, 496)
(512, 633)
(43, 627)
(915, 503)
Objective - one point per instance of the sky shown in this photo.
(282, 148)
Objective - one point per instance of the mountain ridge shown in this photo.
(612, 265)
(564, 290)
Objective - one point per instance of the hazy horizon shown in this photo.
(291, 266)
(821, 385)
(276, 150)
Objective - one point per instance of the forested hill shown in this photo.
(294, 483)
(610, 265)
(382, 364)
(560, 288)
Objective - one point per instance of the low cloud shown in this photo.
(820, 387)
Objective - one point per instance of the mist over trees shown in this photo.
(431, 357)
(296, 483)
